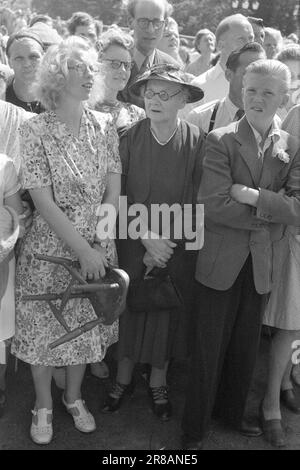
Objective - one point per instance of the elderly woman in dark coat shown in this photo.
(161, 160)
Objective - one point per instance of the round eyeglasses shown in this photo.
(163, 95)
(144, 23)
(116, 64)
(82, 68)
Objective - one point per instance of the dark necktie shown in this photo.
(145, 65)
(239, 114)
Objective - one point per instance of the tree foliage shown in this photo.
(191, 15)
(108, 11)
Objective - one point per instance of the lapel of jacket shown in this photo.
(272, 164)
(248, 149)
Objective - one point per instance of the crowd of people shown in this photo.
(88, 116)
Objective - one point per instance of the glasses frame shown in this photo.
(159, 23)
(81, 68)
(127, 65)
(153, 93)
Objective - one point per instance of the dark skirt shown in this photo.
(156, 337)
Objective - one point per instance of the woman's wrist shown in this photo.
(84, 248)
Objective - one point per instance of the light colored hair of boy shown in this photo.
(274, 68)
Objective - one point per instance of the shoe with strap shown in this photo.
(160, 403)
(83, 419)
(116, 396)
(41, 431)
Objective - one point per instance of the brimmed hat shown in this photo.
(169, 73)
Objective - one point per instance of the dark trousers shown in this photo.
(224, 349)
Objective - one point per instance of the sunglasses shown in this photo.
(163, 95)
(116, 64)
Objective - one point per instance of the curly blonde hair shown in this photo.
(53, 72)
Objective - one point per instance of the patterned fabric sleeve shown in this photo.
(138, 113)
(113, 157)
(11, 183)
(35, 171)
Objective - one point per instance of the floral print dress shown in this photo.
(76, 169)
(123, 114)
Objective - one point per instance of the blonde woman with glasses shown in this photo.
(70, 165)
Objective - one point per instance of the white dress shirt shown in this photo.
(273, 136)
(201, 115)
(213, 83)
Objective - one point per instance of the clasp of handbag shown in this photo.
(156, 273)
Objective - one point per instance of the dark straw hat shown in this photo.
(169, 73)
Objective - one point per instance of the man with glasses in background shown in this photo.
(147, 19)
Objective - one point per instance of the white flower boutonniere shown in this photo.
(283, 156)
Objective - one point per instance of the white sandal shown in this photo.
(83, 419)
(42, 431)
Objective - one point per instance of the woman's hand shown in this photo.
(160, 250)
(93, 264)
(151, 263)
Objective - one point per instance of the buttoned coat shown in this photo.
(234, 230)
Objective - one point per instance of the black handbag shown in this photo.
(155, 292)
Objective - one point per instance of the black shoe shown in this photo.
(162, 410)
(290, 401)
(189, 443)
(273, 431)
(250, 427)
(116, 396)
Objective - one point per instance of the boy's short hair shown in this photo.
(271, 67)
